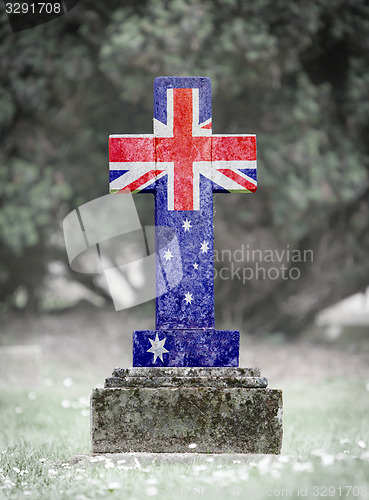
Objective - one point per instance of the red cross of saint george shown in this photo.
(182, 149)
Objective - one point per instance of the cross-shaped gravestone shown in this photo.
(182, 163)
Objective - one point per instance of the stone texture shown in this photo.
(224, 411)
(186, 372)
(189, 347)
(251, 382)
(169, 419)
(189, 377)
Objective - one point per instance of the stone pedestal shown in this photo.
(221, 410)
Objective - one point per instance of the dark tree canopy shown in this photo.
(294, 73)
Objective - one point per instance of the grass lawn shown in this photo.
(325, 451)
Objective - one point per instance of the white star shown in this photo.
(195, 266)
(186, 225)
(204, 247)
(157, 348)
(168, 254)
(188, 298)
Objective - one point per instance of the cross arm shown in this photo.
(234, 163)
(132, 163)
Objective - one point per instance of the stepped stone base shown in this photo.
(165, 410)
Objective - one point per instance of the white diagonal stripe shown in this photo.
(234, 165)
(162, 129)
(222, 180)
(135, 170)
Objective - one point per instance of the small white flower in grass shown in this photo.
(109, 465)
(114, 485)
(318, 453)
(52, 472)
(24, 483)
(264, 464)
(284, 459)
(344, 440)
(65, 403)
(152, 491)
(42, 460)
(152, 480)
(277, 465)
(83, 401)
(15, 469)
(327, 460)
(361, 444)
(200, 467)
(26, 492)
(303, 467)
(243, 474)
(192, 446)
(340, 456)
(18, 410)
(122, 461)
(94, 459)
(275, 473)
(67, 382)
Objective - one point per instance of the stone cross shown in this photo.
(182, 163)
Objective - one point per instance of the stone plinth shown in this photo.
(164, 410)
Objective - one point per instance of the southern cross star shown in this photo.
(168, 254)
(204, 247)
(157, 348)
(188, 298)
(186, 225)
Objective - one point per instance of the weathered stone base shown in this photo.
(221, 410)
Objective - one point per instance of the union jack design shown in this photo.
(181, 150)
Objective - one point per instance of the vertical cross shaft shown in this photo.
(191, 304)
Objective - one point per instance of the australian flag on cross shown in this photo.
(182, 163)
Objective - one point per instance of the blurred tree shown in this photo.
(296, 74)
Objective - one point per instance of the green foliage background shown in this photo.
(294, 73)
